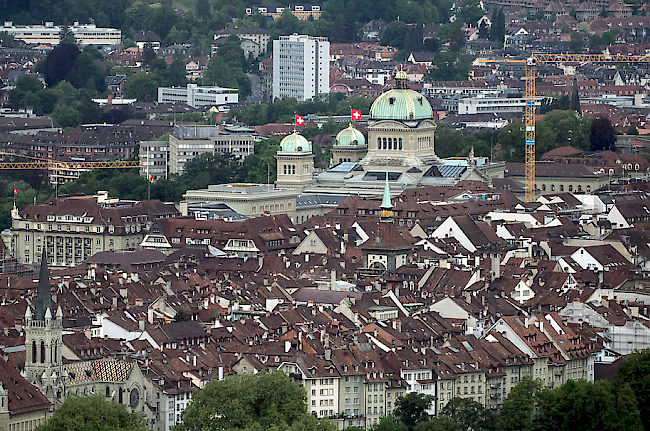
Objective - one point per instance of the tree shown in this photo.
(582, 405)
(251, 401)
(469, 415)
(93, 413)
(142, 86)
(635, 372)
(181, 316)
(577, 43)
(516, 413)
(483, 31)
(66, 36)
(498, 28)
(389, 423)
(59, 62)
(449, 66)
(412, 408)
(6, 39)
(148, 54)
(602, 135)
(456, 38)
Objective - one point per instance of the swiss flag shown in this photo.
(299, 120)
(15, 191)
(356, 114)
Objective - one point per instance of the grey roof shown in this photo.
(381, 176)
(343, 167)
(445, 171)
(43, 292)
(322, 199)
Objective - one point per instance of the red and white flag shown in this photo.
(299, 120)
(15, 191)
(356, 114)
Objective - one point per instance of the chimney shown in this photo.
(220, 372)
(468, 296)
(150, 315)
(194, 361)
(115, 302)
(287, 346)
(141, 323)
(328, 354)
(526, 322)
(398, 325)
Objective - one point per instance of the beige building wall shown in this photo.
(348, 153)
(400, 145)
(294, 170)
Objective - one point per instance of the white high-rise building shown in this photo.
(300, 66)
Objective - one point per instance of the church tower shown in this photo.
(295, 163)
(386, 207)
(43, 340)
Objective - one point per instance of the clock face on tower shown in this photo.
(134, 399)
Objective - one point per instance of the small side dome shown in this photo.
(350, 136)
(295, 143)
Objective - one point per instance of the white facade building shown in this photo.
(483, 105)
(86, 34)
(197, 96)
(300, 67)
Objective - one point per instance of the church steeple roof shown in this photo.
(386, 206)
(43, 292)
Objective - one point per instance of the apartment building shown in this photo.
(254, 40)
(49, 34)
(300, 11)
(188, 142)
(154, 159)
(321, 381)
(300, 67)
(75, 228)
(197, 96)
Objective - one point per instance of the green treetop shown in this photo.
(92, 414)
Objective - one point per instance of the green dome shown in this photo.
(401, 104)
(295, 143)
(350, 137)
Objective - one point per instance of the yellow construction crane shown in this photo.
(530, 64)
(50, 164)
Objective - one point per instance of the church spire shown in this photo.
(386, 207)
(44, 292)
(575, 97)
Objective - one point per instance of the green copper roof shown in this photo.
(401, 104)
(350, 136)
(295, 143)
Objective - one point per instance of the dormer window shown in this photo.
(391, 100)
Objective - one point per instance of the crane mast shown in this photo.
(530, 63)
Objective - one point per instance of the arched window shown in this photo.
(400, 143)
(385, 144)
(34, 352)
(390, 143)
(42, 352)
(379, 143)
(55, 357)
(285, 169)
